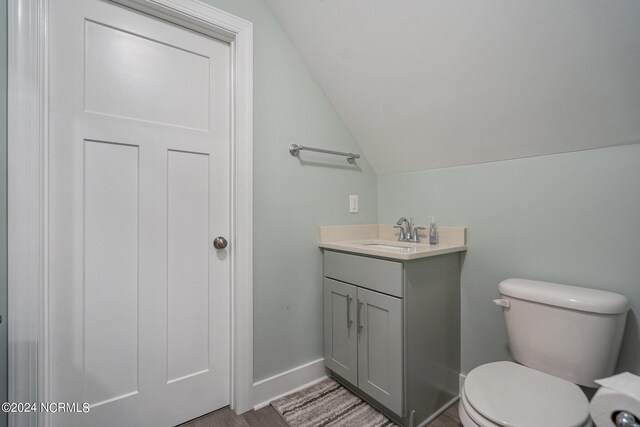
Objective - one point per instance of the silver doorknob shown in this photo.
(219, 242)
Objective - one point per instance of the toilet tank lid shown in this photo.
(572, 297)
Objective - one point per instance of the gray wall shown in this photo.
(3, 207)
(292, 198)
(571, 218)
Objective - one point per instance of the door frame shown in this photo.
(28, 192)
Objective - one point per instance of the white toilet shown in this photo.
(560, 336)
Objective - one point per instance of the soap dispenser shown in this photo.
(433, 231)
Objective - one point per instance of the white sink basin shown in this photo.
(387, 247)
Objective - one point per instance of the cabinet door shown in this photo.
(380, 348)
(340, 336)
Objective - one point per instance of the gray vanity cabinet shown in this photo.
(392, 331)
(363, 340)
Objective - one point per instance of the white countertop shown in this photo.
(361, 239)
(408, 251)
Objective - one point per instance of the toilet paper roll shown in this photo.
(619, 393)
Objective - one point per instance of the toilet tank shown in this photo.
(567, 331)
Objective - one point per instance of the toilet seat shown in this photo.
(469, 416)
(511, 395)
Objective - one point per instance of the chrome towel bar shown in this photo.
(295, 149)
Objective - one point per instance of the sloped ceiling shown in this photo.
(433, 83)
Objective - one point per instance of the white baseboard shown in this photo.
(288, 382)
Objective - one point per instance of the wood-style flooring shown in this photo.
(268, 417)
(448, 418)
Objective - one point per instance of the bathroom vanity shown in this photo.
(392, 318)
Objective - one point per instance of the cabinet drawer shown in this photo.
(371, 273)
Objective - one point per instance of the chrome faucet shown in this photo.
(405, 232)
(408, 233)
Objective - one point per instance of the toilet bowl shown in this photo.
(561, 336)
(505, 394)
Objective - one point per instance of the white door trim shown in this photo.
(28, 192)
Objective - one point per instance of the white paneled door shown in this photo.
(139, 298)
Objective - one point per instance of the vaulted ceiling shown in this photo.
(433, 83)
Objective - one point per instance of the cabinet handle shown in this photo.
(360, 327)
(349, 320)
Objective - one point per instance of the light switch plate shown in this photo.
(353, 203)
